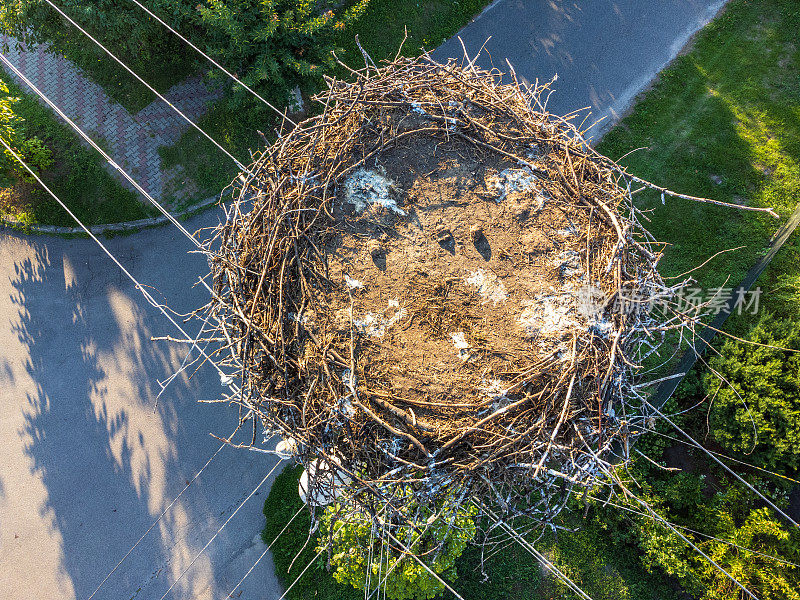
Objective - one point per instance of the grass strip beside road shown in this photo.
(723, 121)
(77, 176)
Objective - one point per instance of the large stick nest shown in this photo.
(436, 284)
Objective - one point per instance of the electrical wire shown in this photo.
(426, 567)
(395, 563)
(533, 551)
(658, 517)
(149, 298)
(148, 86)
(161, 516)
(264, 553)
(311, 562)
(188, 235)
(102, 152)
(726, 457)
(722, 464)
(705, 535)
(213, 537)
(213, 62)
(150, 301)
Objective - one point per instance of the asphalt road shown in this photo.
(604, 52)
(89, 461)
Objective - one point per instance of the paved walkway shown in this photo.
(131, 140)
(89, 459)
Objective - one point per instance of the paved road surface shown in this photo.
(88, 462)
(603, 51)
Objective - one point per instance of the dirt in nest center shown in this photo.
(461, 270)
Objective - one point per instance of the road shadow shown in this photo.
(110, 457)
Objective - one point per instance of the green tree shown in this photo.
(272, 45)
(756, 410)
(733, 515)
(275, 44)
(358, 552)
(729, 516)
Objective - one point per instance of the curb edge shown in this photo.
(125, 226)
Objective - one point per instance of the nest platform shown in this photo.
(437, 286)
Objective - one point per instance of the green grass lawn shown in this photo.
(723, 121)
(602, 570)
(77, 177)
(382, 27)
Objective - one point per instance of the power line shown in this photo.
(213, 62)
(136, 283)
(264, 553)
(726, 457)
(152, 301)
(127, 177)
(161, 516)
(389, 570)
(700, 533)
(148, 86)
(152, 200)
(147, 297)
(722, 464)
(311, 562)
(534, 552)
(425, 566)
(141, 190)
(102, 152)
(213, 537)
(658, 517)
(116, 261)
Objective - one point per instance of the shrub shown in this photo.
(357, 554)
(31, 149)
(271, 45)
(733, 517)
(757, 412)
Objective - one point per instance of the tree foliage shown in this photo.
(271, 45)
(35, 153)
(275, 44)
(360, 558)
(756, 410)
(731, 517)
(751, 543)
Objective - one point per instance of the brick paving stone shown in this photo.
(132, 140)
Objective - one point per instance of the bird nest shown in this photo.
(436, 287)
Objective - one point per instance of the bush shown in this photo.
(272, 45)
(357, 555)
(757, 409)
(733, 517)
(32, 150)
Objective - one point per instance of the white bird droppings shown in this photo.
(489, 287)
(461, 344)
(353, 284)
(511, 181)
(365, 187)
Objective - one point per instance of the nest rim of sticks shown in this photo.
(270, 265)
